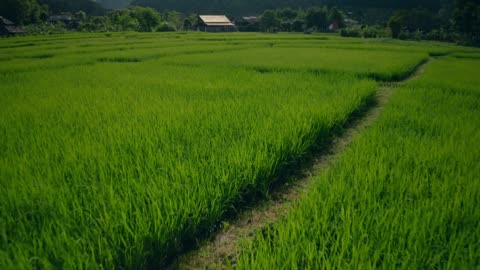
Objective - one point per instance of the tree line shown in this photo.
(445, 20)
(458, 21)
(313, 19)
(31, 11)
(34, 11)
(246, 7)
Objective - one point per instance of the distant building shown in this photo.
(333, 26)
(352, 24)
(251, 19)
(8, 28)
(215, 23)
(67, 19)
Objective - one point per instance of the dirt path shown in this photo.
(222, 248)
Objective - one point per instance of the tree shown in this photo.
(317, 18)
(193, 19)
(395, 25)
(467, 20)
(81, 16)
(421, 19)
(336, 16)
(90, 7)
(287, 14)
(413, 21)
(269, 21)
(21, 11)
(248, 7)
(175, 18)
(297, 25)
(166, 27)
(187, 24)
(148, 18)
(286, 26)
(124, 20)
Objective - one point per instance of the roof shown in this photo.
(216, 20)
(15, 30)
(5, 21)
(60, 18)
(250, 19)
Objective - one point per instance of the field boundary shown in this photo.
(221, 251)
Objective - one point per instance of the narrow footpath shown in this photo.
(222, 249)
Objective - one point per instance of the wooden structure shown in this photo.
(215, 23)
(8, 28)
(68, 20)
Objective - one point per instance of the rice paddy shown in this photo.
(404, 196)
(120, 150)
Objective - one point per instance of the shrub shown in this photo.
(441, 35)
(404, 35)
(369, 32)
(351, 32)
(166, 27)
(375, 31)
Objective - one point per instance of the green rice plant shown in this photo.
(405, 195)
(59, 60)
(381, 65)
(119, 150)
(120, 165)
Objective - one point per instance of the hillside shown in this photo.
(114, 4)
(257, 6)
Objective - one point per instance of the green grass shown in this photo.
(405, 195)
(119, 150)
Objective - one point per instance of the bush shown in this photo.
(404, 35)
(436, 35)
(441, 35)
(367, 32)
(351, 32)
(418, 35)
(46, 28)
(166, 27)
(374, 32)
(297, 26)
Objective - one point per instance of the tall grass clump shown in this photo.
(405, 195)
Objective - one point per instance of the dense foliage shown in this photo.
(35, 11)
(454, 22)
(446, 20)
(299, 20)
(23, 11)
(239, 7)
(467, 20)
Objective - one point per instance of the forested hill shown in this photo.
(57, 6)
(114, 4)
(258, 6)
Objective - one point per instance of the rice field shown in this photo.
(118, 151)
(404, 196)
